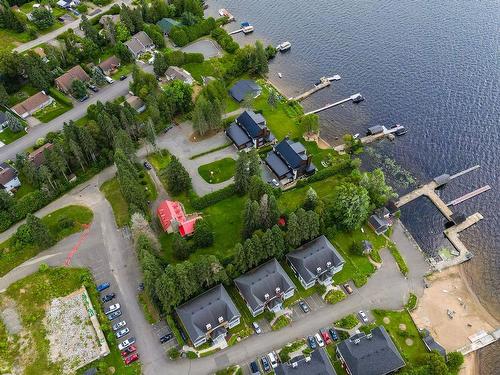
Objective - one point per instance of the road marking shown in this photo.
(75, 248)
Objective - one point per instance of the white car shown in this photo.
(363, 316)
(122, 332)
(272, 359)
(119, 325)
(126, 343)
(112, 308)
(256, 328)
(109, 79)
(319, 340)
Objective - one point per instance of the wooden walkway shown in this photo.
(480, 340)
(328, 106)
(428, 190)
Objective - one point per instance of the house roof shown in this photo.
(293, 153)
(169, 211)
(3, 117)
(135, 102)
(37, 157)
(243, 88)
(143, 38)
(109, 63)
(252, 122)
(67, 78)
(377, 222)
(371, 355)
(432, 344)
(317, 364)
(238, 135)
(113, 18)
(135, 46)
(313, 255)
(392, 207)
(174, 72)
(278, 166)
(7, 174)
(254, 285)
(206, 309)
(186, 228)
(31, 103)
(166, 24)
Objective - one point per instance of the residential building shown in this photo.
(64, 81)
(266, 286)
(380, 221)
(175, 73)
(173, 218)
(209, 316)
(166, 24)
(139, 44)
(109, 65)
(315, 262)
(109, 18)
(34, 103)
(431, 344)
(250, 130)
(289, 161)
(37, 157)
(245, 88)
(41, 52)
(8, 178)
(370, 354)
(316, 363)
(3, 120)
(136, 103)
(68, 3)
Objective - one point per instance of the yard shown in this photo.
(123, 71)
(218, 171)
(75, 217)
(52, 111)
(8, 136)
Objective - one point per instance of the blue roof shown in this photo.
(252, 122)
(243, 88)
(238, 136)
(277, 165)
(293, 152)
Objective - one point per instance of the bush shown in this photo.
(334, 296)
(347, 322)
(43, 267)
(357, 248)
(225, 40)
(412, 302)
(39, 142)
(65, 222)
(174, 353)
(281, 322)
(182, 35)
(191, 355)
(213, 198)
(190, 58)
(342, 166)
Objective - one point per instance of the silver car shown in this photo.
(112, 308)
(119, 325)
(363, 316)
(122, 332)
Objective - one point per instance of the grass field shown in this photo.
(218, 171)
(10, 39)
(112, 192)
(51, 111)
(80, 215)
(8, 136)
(159, 160)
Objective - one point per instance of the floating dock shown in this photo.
(323, 82)
(225, 13)
(245, 30)
(372, 138)
(470, 195)
(480, 340)
(328, 106)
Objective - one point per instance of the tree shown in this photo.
(272, 99)
(123, 142)
(90, 31)
(37, 71)
(122, 33)
(247, 166)
(203, 235)
(180, 247)
(279, 242)
(270, 52)
(178, 180)
(310, 123)
(199, 117)
(378, 191)
(98, 76)
(39, 232)
(260, 65)
(251, 220)
(160, 64)
(239, 259)
(293, 233)
(78, 89)
(179, 95)
(350, 206)
(9, 19)
(129, 181)
(42, 18)
(454, 361)
(151, 135)
(311, 200)
(14, 123)
(4, 97)
(123, 53)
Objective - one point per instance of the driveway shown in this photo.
(207, 47)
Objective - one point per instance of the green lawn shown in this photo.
(22, 94)
(11, 258)
(199, 70)
(10, 39)
(8, 136)
(218, 171)
(123, 70)
(51, 111)
(231, 104)
(112, 192)
(159, 160)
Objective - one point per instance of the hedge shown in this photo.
(225, 40)
(342, 166)
(182, 35)
(213, 198)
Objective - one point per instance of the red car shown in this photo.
(326, 337)
(134, 357)
(128, 350)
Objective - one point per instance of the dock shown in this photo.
(225, 13)
(371, 138)
(328, 106)
(470, 195)
(323, 82)
(480, 340)
(245, 30)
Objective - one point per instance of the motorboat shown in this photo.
(285, 46)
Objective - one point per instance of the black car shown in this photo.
(93, 88)
(334, 335)
(108, 297)
(84, 98)
(304, 306)
(166, 338)
(147, 165)
(265, 364)
(114, 314)
(254, 368)
(122, 78)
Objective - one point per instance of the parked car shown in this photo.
(347, 288)
(119, 325)
(319, 340)
(326, 337)
(274, 182)
(134, 357)
(311, 342)
(109, 79)
(305, 308)
(115, 315)
(83, 98)
(363, 316)
(123, 78)
(122, 332)
(126, 343)
(108, 297)
(93, 88)
(129, 350)
(167, 128)
(254, 368)
(112, 308)
(166, 338)
(265, 364)
(147, 165)
(256, 328)
(334, 335)
(102, 287)
(273, 359)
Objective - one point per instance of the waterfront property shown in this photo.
(315, 363)
(109, 65)
(209, 316)
(250, 130)
(34, 103)
(37, 157)
(380, 221)
(139, 44)
(173, 218)
(245, 88)
(175, 73)
(370, 354)
(315, 262)
(266, 286)
(289, 161)
(8, 178)
(64, 81)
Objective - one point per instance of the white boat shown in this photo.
(247, 29)
(336, 77)
(285, 46)
(279, 75)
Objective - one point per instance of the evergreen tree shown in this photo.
(45, 177)
(77, 153)
(273, 211)
(90, 31)
(180, 247)
(279, 242)
(264, 219)
(4, 97)
(87, 143)
(177, 177)
(14, 123)
(122, 52)
(268, 244)
(98, 76)
(123, 142)
(160, 64)
(203, 234)
(56, 161)
(37, 71)
(247, 166)
(250, 253)
(151, 135)
(261, 66)
(251, 220)
(294, 231)
(78, 89)
(311, 200)
(240, 262)
(40, 233)
(166, 288)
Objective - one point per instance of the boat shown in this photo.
(401, 131)
(285, 46)
(247, 29)
(336, 77)
(358, 98)
(225, 13)
(279, 75)
(243, 24)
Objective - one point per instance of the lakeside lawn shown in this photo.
(218, 171)
(8, 136)
(78, 215)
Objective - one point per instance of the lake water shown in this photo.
(431, 66)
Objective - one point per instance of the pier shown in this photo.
(328, 106)
(323, 82)
(480, 340)
(371, 138)
(245, 29)
(470, 195)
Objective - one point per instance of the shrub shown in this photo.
(193, 58)
(43, 267)
(39, 142)
(225, 40)
(65, 222)
(174, 353)
(412, 302)
(213, 198)
(191, 355)
(334, 296)
(281, 322)
(342, 166)
(347, 322)
(359, 280)
(357, 248)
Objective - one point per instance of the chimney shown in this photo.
(209, 326)
(328, 264)
(318, 270)
(221, 319)
(278, 290)
(266, 296)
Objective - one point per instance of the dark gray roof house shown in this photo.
(244, 88)
(316, 261)
(370, 354)
(265, 286)
(3, 119)
(249, 130)
(375, 129)
(209, 315)
(139, 43)
(432, 344)
(378, 224)
(289, 161)
(317, 363)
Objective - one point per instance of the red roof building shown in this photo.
(172, 215)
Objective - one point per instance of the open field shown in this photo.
(218, 171)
